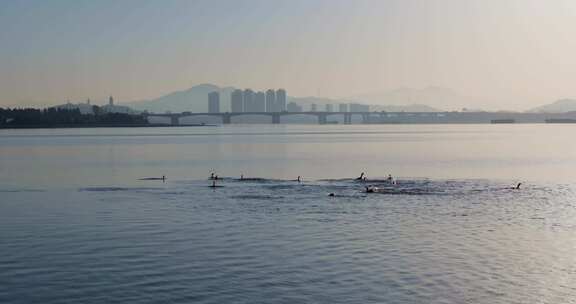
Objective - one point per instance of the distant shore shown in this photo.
(84, 126)
(81, 126)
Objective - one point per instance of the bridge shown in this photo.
(389, 117)
(227, 116)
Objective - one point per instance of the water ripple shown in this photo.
(279, 241)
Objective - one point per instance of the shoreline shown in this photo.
(85, 126)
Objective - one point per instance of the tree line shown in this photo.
(55, 117)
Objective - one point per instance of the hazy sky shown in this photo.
(495, 53)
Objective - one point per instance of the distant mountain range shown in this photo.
(432, 97)
(195, 99)
(559, 106)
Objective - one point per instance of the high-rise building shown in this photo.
(342, 107)
(111, 101)
(281, 100)
(259, 102)
(293, 107)
(313, 107)
(271, 101)
(237, 101)
(328, 107)
(249, 100)
(214, 102)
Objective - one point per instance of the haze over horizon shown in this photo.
(509, 54)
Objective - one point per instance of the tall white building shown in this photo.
(249, 101)
(213, 102)
(237, 101)
(281, 100)
(271, 101)
(259, 102)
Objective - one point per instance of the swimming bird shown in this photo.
(361, 177)
(517, 187)
(213, 184)
(163, 178)
(371, 189)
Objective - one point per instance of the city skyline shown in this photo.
(190, 100)
(248, 100)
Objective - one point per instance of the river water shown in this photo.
(79, 225)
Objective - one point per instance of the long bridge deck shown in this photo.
(387, 117)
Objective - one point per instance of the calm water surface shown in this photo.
(78, 226)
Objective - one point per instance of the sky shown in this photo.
(496, 54)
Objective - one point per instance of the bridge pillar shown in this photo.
(365, 118)
(226, 118)
(347, 118)
(322, 119)
(276, 118)
(175, 120)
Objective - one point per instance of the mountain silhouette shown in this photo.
(195, 99)
(559, 106)
(432, 97)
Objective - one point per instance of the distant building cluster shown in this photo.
(87, 108)
(293, 107)
(356, 107)
(343, 107)
(112, 108)
(247, 100)
(250, 101)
